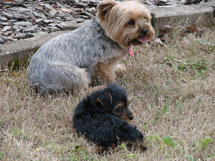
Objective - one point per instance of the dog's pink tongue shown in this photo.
(130, 52)
(143, 39)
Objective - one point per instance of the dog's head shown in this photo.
(114, 99)
(127, 23)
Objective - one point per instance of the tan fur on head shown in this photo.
(125, 22)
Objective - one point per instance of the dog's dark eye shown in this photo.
(131, 22)
(118, 110)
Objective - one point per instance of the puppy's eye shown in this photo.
(118, 110)
(131, 22)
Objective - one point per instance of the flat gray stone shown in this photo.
(92, 9)
(23, 48)
(47, 21)
(20, 36)
(68, 25)
(48, 7)
(183, 15)
(3, 18)
(6, 14)
(30, 29)
(6, 28)
(39, 14)
(7, 33)
(17, 28)
(20, 9)
(23, 23)
(53, 13)
(4, 23)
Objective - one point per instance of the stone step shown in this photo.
(203, 14)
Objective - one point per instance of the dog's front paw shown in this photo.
(120, 69)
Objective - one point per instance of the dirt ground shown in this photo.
(173, 91)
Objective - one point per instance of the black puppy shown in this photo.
(102, 117)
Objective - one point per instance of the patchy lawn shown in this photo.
(173, 91)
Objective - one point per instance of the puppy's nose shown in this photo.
(131, 117)
(144, 32)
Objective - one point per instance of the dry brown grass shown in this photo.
(173, 87)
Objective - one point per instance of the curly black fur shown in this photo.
(94, 118)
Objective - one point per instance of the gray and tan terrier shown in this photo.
(69, 62)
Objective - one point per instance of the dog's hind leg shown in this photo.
(105, 73)
(57, 77)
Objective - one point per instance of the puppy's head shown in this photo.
(114, 99)
(127, 23)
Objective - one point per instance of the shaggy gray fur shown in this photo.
(67, 61)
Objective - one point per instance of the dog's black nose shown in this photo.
(131, 117)
(144, 32)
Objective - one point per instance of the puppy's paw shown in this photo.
(136, 147)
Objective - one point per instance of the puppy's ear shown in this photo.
(103, 8)
(105, 100)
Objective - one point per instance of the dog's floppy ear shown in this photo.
(104, 7)
(105, 100)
